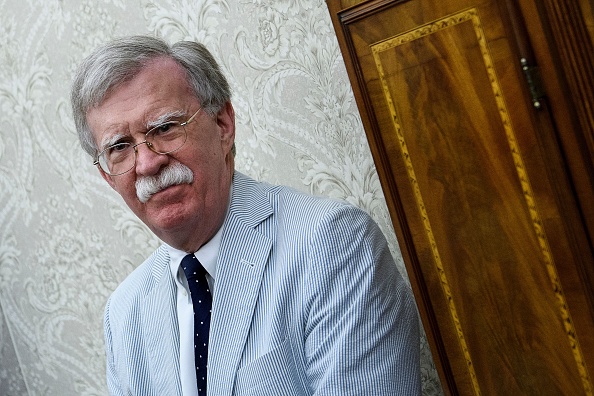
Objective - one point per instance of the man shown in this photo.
(306, 298)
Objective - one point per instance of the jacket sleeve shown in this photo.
(362, 330)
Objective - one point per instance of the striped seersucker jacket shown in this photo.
(308, 301)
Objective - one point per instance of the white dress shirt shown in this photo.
(207, 255)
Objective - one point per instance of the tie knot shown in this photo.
(192, 267)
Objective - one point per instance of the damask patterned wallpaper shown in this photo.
(67, 240)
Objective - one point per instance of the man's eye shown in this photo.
(164, 129)
(117, 148)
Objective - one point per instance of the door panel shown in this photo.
(476, 207)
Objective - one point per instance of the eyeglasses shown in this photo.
(165, 138)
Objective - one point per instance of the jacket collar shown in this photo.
(161, 332)
(245, 248)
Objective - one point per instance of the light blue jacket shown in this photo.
(308, 301)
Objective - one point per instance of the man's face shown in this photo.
(185, 216)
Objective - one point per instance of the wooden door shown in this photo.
(492, 225)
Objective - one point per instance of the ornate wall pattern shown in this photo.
(67, 240)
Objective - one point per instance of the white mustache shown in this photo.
(172, 175)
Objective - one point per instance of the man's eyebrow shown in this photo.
(165, 118)
(111, 140)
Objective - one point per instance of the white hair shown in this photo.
(122, 59)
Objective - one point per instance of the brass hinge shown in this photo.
(537, 92)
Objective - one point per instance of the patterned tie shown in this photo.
(202, 304)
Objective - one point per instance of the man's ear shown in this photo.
(226, 123)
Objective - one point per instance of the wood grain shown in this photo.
(479, 191)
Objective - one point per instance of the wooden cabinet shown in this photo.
(480, 118)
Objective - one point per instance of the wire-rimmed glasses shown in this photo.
(164, 138)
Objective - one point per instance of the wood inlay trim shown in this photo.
(422, 31)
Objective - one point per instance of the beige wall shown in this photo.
(67, 240)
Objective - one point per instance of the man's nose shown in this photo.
(148, 162)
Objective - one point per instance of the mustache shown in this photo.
(171, 175)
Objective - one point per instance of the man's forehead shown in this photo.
(145, 95)
(162, 74)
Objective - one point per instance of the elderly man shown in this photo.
(257, 289)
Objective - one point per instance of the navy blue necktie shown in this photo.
(202, 304)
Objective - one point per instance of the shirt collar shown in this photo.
(207, 255)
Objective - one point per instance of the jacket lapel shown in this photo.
(245, 249)
(160, 329)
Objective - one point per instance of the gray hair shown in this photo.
(120, 60)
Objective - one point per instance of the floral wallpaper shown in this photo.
(67, 240)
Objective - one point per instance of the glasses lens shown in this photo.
(167, 137)
(117, 159)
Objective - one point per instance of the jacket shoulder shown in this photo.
(256, 200)
(141, 281)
